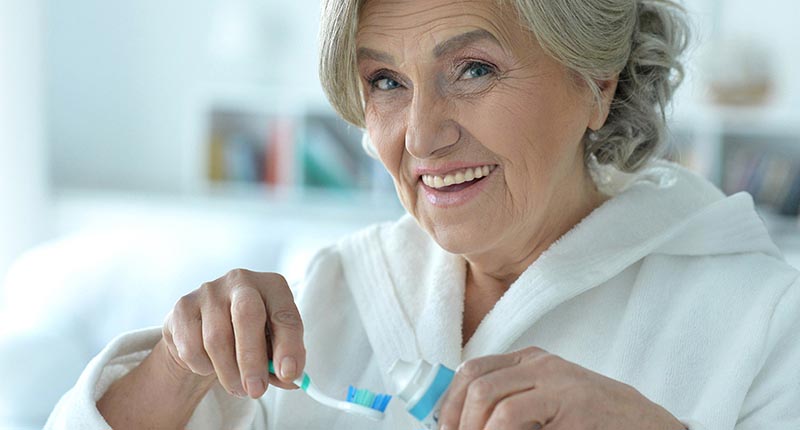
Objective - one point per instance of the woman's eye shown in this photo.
(476, 70)
(385, 84)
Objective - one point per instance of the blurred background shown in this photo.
(149, 146)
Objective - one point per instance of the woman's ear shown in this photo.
(607, 90)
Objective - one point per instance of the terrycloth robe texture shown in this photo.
(669, 287)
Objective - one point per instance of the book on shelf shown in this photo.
(311, 150)
(278, 161)
(769, 172)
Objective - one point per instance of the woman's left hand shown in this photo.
(532, 389)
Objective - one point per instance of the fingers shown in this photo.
(285, 330)
(525, 410)
(219, 343)
(186, 337)
(249, 317)
(453, 402)
(475, 390)
(486, 392)
(166, 335)
(274, 380)
(231, 326)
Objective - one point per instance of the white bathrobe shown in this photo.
(669, 287)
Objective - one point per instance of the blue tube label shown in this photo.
(426, 410)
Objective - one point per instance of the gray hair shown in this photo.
(639, 40)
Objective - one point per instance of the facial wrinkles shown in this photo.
(405, 33)
(393, 21)
(518, 207)
(394, 15)
(518, 195)
(410, 37)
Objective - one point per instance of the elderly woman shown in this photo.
(575, 281)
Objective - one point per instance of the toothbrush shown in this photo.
(359, 401)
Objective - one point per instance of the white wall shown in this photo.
(119, 97)
(128, 81)
(23, 193)
(774, 25)
(771, 25)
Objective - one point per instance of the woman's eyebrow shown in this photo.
(372, 54)
(441, 49)
(457, 42)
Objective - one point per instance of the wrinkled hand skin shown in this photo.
(533, 389)
(232, 326)
(224, 331)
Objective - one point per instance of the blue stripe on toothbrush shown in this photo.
(384, 402)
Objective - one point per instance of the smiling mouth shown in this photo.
(457, 180)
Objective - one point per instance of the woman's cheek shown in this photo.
(392, 162)
(389, 142)
(391, 149)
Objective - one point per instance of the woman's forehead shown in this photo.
(430, 23)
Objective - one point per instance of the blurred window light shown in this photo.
(22, 164)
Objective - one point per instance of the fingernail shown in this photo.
(254, 386)
(238, 392)
(288, 368)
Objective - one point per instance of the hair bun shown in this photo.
(634, 130)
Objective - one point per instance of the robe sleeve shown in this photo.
(77, 408)
(773, 400)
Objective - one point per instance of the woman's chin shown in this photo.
(460, 240)
(457, 233)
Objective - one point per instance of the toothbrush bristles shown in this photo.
(367, 398)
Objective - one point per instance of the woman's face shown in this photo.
(479, 128)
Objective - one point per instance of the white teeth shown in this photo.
(459, 177)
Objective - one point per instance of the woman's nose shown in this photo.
(431, 131)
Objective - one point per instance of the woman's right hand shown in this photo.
(228, 329)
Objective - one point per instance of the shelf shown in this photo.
(742, 148)
(264, 99)
(744, 120)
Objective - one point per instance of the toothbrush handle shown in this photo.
(304, 382)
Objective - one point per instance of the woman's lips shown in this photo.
(458, 194)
